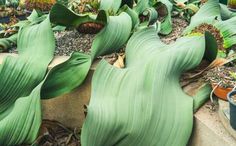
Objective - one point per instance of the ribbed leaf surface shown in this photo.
(110, 39)
(210, 13)
(143, 104)
(20, 112)
(166, 24)
(110, 5)
(61, 15)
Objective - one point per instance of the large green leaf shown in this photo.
(113, 36)
(6, 43)
(226, 13)
(166, 24)
(143, 104)
(110, 5)
(61, 15)
(134, 16)
(22, 81)
(66, 76)
(228, 31)
(20, 113)
(110, 39)
(202, 96)
(210, 13)
(211, 47)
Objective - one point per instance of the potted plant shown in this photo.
(232, 108)
(222, 80)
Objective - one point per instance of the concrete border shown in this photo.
(223, 105)
(209, 130)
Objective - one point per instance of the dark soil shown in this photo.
(179, 24)
(53, 133)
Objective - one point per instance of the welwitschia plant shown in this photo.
(23, 82)
(143, 104)
(208, 18)
(226, 13)
(20, 84)
(8, 41)
(111, 38)
(164, 5)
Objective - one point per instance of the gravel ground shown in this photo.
(179, 25)
(70, 41)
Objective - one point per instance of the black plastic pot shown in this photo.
(232, 109)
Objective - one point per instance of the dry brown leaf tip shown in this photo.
(214, 31)
(120, 61)
(218, 62)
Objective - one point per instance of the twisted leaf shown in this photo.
(210, 14)
(20, 112)
(226, 13)
(61, 15)
(166, 24)
(143, 104)
(110, 39)
(110, 5)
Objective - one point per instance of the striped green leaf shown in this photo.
(110, 39)
(110, 5)
(20, 78)
(210, 13)
(143, 104)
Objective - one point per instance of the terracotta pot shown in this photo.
(221, 92)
